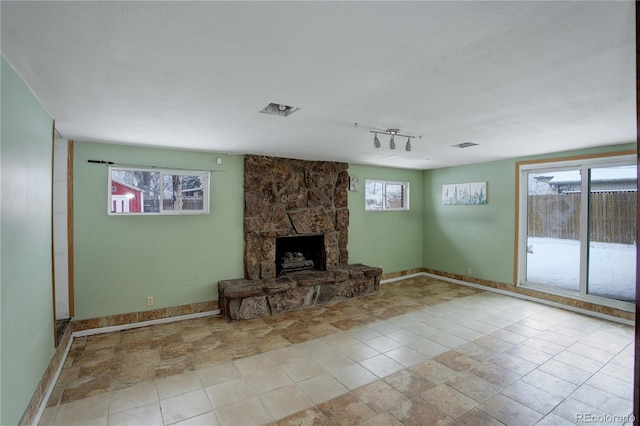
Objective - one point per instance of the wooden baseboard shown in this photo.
(134, 317)
(47, 381)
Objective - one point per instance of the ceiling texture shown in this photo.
(516, 78)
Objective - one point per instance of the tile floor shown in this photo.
(419, 352)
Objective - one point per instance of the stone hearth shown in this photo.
(247, 299)
(294, 198)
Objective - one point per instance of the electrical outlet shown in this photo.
(469, 270)
(149, 300)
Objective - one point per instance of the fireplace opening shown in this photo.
(299, 253)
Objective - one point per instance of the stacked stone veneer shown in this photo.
(286, 197)
(283, 198)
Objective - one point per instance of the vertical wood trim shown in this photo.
(516, 253)
(636, 374)
(53, 251)
(70, 227)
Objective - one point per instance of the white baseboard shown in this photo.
(534, 299)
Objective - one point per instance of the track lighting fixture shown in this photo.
(392, 143)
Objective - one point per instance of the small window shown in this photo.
(152, 191)
(384, 195)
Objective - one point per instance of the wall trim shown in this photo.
(604, 312)
(38, 402)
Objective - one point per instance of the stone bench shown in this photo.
(247, 299)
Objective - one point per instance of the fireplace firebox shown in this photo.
(300, 252)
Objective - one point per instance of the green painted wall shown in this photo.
(389, 239)
(479, 237)
(26, 293)
(120, 260)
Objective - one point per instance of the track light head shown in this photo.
(407, 147)
(392, 143)
(376, 141)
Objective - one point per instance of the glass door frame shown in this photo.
(583, 164)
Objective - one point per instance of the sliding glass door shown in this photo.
(612, 217)
(577, 223)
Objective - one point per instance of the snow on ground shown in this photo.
(556, 262)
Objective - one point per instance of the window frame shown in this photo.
(406, 190)
(583, 163)
(162, 173)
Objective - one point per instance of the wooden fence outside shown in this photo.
(613, 216)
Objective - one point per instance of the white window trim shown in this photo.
(384, 195)
(583, 164)
(205, 191)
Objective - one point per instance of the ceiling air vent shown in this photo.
(279, 109)
(464, 145)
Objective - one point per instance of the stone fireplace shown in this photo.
(284, 198)
(297, 210)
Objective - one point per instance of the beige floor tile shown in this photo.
(554, 420)
(428, 347)
(549, 383)
(406, 356)
(353, 376)
(380, 396)
(185, 406)
(475, 417)
(419, 412)
(206, 419)
(346, 409)
(339, 340)
(383, 343)
(178, 384)
(532, 397)
(135, 396)
(143, 415)
(603, 400)
(447, 339)
(383, 326)
(495, 374)
(383, 419)
(448, 400)
(309, 417)
(322, 388)
(218, 374)
(565, 371)
(544, 345)
(531, 354)
(509, 411)
(363, 333)
(247, 412)
(359, 351)
(409, 382)
(332, 360)
(302, 369)
(614, 386)
(576, 412)
(83, 410)
(473, 386)
(403, 336)
(381, 365)
(285, 401)
(513, 363)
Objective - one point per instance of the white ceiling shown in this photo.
(518, 78)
